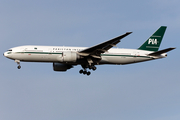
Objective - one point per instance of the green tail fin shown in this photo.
(153, 43)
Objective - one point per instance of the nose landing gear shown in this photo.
(18, 62)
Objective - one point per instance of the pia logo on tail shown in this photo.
(152, 41)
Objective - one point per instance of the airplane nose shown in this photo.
(5, 54)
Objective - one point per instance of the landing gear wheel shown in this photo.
(19, 67)
(88, 73)
(81, 71)
(94, 68)
(85, 67)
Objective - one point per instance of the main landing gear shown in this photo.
(85, 72)
(18, 62)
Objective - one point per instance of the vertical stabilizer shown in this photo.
(153, 43)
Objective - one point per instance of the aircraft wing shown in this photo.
(96, 50)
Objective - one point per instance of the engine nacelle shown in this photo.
(68, 56)
(61, 67)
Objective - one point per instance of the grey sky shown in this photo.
(142, 91)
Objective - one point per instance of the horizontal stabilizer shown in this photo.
(161, 52)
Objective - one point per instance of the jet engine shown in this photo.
(61, 67)
(68, 56)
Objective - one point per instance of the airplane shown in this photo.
(64, 58)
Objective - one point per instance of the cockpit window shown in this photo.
(10, 50)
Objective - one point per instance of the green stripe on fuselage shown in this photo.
(38, 53)
(101, 54)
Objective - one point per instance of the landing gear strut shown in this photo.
(18, 62)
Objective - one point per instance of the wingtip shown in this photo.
(173, 48)
(128, 32)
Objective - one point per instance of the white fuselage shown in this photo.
(33, 53)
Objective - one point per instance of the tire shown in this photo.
(94, 68)
(81, 71)
(19, 67)
(88, 73)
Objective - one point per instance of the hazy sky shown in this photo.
(142, 91)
